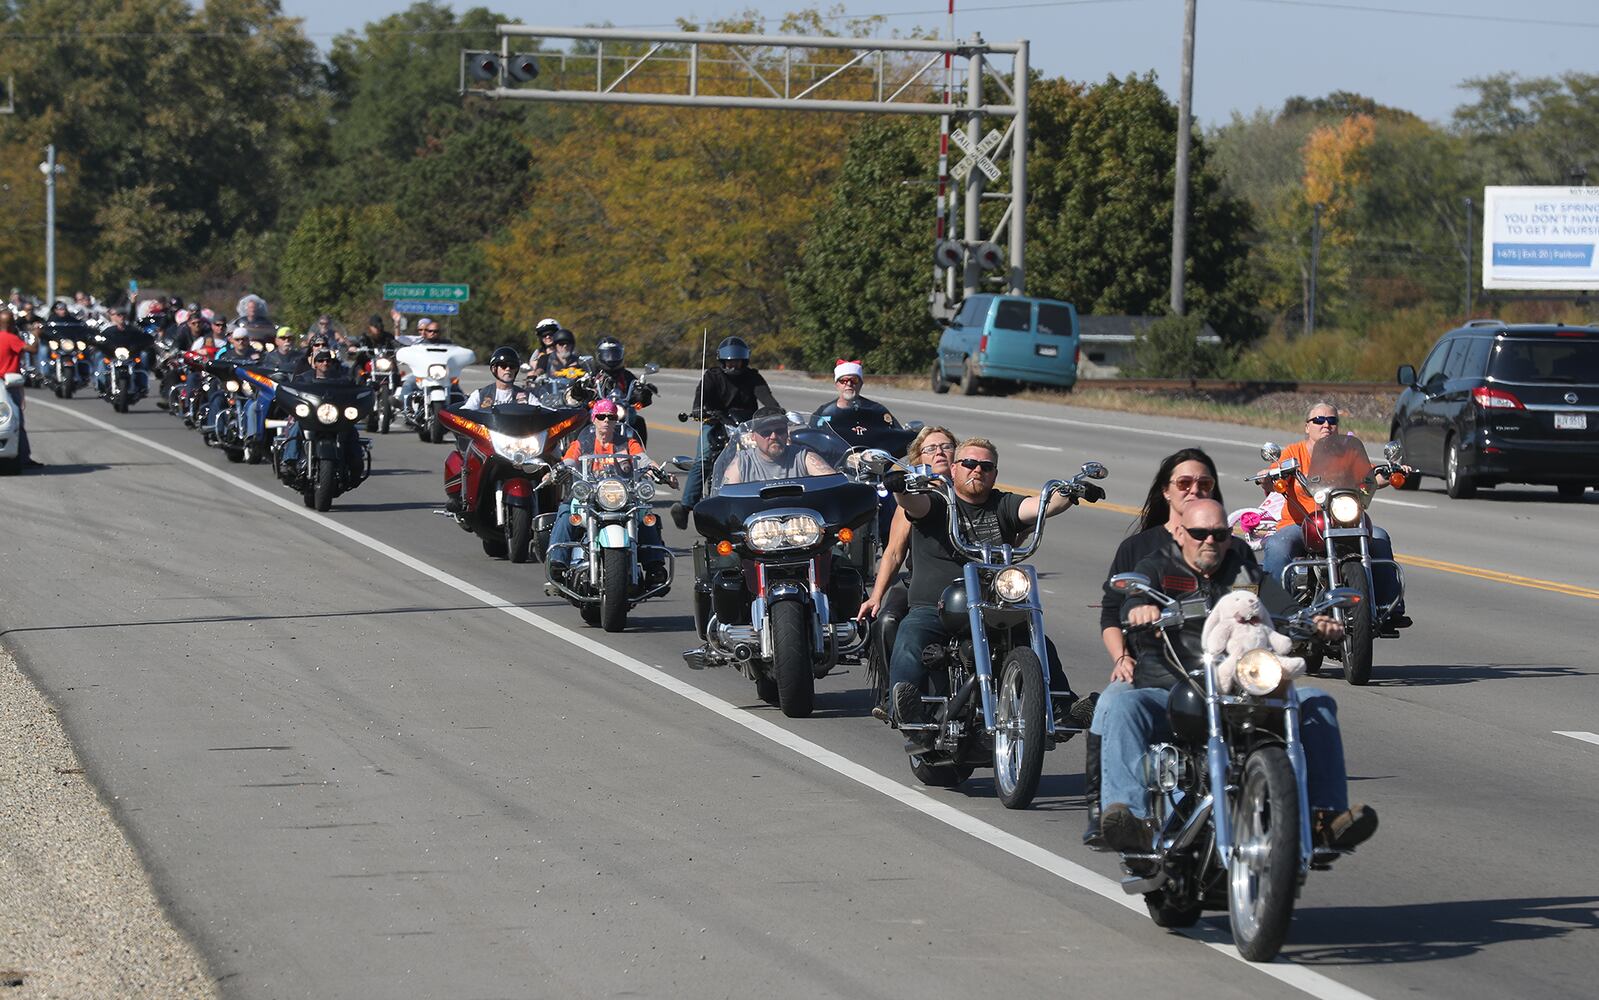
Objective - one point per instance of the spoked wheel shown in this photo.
(1357, 625)
(613, 589)
(1019, 729)
(1265, 861)
(791, 656)
(518, 533)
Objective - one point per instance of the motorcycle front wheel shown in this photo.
(1265, 860)
(326, 474)
(791, 660)
(1019, 729)
(518, 533)
(435, 430)
(613, 589)
(1357, 625)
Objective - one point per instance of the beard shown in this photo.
(1207, 560)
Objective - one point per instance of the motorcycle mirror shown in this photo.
(651, 368)
(1124, 583)
(795, 418)
(1393, 451)
(683, 462)
(915, 425)
(1095, 470)
(875, 460)
(1271, 452)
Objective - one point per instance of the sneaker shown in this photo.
(1123, 831)
(680, 516)
(1342, 831)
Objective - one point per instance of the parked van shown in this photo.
(1005, 341)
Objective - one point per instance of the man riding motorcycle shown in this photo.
(325, 368)
(562, 356)
(733, 389)
(503, 365)
(1131, 717)
(1287, 542)
(603, 436)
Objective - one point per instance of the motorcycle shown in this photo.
(1338, 544)
(122, 379)
(1228, 794)
(502, 485)
(436, 369)
(994, 616)
(325, 414)
(610, 495)
(29, 361)
(379, 368)
(68, 367)
(243, 431)
(779, 575)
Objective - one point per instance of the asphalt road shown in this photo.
(362, 759)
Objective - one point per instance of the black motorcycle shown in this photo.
(68, 366)
(122, 378)
(326, 415)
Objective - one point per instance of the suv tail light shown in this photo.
(1490, 398)
(982, 345)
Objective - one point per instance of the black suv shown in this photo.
(1497, 403)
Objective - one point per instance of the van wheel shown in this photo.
(970, 383)
(1457, 481)
(1571, 491)
(940, 384)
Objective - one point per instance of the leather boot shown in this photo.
(1091, 835)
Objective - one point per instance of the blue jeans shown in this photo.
(694, 482)
(921, 627)
(1128, 720)
(24, 453)
(564, 531)
(1288, 543)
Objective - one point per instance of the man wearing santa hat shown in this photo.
(848, 377)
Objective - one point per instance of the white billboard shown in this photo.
(1540, 238)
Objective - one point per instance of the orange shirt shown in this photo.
(574, 451)
(1298, 504)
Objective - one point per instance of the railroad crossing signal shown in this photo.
(975, 155)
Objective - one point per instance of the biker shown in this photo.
(503, 365)
(849, 376)
(319, 342)
(733, 389)
(1287, 542)
(12, 349)
(774, 455)
(377, 337)
(544, 333)
(562, 356)
(324, 325)
(325, 368)
(284, 356)
(606, 439)
(989, 515)
(1132, 715)
(609, 353)
(238, 351)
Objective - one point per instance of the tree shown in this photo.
(330, 263)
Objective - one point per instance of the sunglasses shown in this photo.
(605, 417)
(774, 432)
(507, 367)
(1199, 484)
(1331, 421)
(849, 380)
(1218, 535)
(938, 449)
(978, 465)
(322, 359)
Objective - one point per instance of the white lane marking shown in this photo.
(1406, 503)
(1032, 417)
(1301, 978)
(1038, 447)
(1584, 737)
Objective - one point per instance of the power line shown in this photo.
(1448, 15)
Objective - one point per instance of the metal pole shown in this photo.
(972, 229)
(1470, 210)
(49, 166)
(1185, 127)
(1018, 178)
(1315, 267)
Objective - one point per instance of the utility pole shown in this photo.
(51, 170)
(1471, 209)
(1185, 128)
(1315, 266)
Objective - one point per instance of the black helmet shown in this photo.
(564, 336)
(952, 609)
(609, 353)
(505, 356)
(733, 349)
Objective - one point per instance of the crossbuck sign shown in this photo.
(975, 155)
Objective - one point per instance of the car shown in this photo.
(10, 427)
(1004, 341)
(1504, 403)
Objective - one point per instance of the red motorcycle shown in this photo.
(502, 485)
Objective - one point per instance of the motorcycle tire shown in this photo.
(120, 404)
(1019, 729)
(308, 494)
(518, 533)
(1264, 870)
(67, 389)
(791, 660)
(327, 474)
(940, 385)
(422, 432)
(1358, 636)
(613, 589)
(1168, 912)
(1313, 663)
(372, 424)
(495, 548)
(766, 689)
(384, 420)
(436, 430)
(57, 390)
(940, 775)
(235, 455)
(252, 454)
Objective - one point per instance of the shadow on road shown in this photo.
(1431, 675)
(68, 468)
(1426, 932)
(400, 472)
(361, 508)
(228, 619)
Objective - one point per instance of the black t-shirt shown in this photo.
(1129, 554)
(937, 564)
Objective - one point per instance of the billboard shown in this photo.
(1540, 238)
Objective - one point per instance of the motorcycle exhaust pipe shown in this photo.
(957, 704)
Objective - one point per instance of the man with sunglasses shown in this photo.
(1287, 543)
(325, 368)
(604, 436)
(503, 365)
(774, 455)
(1203, 567)
(987, 515)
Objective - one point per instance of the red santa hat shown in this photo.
(843, 368)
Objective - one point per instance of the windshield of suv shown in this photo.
(1562, 361)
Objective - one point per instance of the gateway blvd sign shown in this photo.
(427, 291)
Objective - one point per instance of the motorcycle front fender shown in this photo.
(436, 394)
(327, 449)
(613, 536)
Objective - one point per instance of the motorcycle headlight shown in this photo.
(350, 413)
(302, 410)
(644, 490)
(1012, 585)
(327, 413)
(383, 364)
(55, 345)
(437, 371)
(517, 450)
(582, 489)
(122, 354)
(1260, 672)
(83, 345)
(232, 385)
(802, 531)
(797, 531)
(765, 534)
(611, 494)
(1345, 509)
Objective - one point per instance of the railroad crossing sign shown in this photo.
(975, 156)
(428, 291)
(416, 308)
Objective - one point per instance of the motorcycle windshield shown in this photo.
(420, 357)
(1340, 463)
(340, 392)
(762, 457)
(834, 432)
(524, 420)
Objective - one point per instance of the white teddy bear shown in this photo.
(1238, 624)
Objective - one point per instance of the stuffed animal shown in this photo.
(1237, 624)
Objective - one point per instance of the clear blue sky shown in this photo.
(1249, 53)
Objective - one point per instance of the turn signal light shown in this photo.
(650, 520)
(724, 548)
(576, 519)
(846, 535)
(1397, 479)
(1279, 486)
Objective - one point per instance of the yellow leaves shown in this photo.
(1336, 163)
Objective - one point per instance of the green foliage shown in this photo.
(1169, 348)
(860, 288)
(331, 263)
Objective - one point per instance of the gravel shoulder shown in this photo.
(79, 917)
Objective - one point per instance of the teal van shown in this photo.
(998, 342)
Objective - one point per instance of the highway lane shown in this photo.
(1401, 913)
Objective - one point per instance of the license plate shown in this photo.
(1571, 421)
(1048, 351)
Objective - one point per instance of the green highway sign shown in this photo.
(428, 292)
